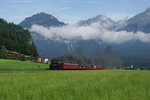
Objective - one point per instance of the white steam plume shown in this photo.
(93, 31)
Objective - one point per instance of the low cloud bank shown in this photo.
(93, 31)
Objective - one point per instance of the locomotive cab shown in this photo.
(55, 65)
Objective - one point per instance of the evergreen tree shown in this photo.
(3, 52)
(31, 58)
(13, 57)
(22, 58)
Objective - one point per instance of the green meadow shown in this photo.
(6, 64)
(75, 85)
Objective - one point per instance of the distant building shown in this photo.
(131, 66)
(9, 53)
(45, 60)
(28, 58)
(39, 59)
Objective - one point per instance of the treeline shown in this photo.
(15, 38)
(4, 55)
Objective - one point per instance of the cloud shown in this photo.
(94, 31)
(64, 8)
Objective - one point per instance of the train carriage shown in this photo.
(55, 65)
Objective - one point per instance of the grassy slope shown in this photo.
(6, 64)
(75, 85)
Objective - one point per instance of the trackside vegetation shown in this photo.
(75, 85)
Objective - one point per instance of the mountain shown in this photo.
(132, 52)
(140, 22)
(100, 19)
(51, 47)
(46, 47)
(16, 38)
(41, 19)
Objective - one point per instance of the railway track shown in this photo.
(5, 71)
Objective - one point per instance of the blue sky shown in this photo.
(71, 11)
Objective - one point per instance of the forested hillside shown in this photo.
(15, 38)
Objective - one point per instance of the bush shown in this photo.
(22, 58)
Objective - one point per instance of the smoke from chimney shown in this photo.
(107, 59)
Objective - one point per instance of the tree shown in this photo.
(3, 52)
(13, 56)
(22, 58)
(31, 58)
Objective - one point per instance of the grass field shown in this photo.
(6, 64)
(75, 85)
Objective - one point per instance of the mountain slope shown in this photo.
(104, 21)
(140, 22)
(15, 38)
(136, 51)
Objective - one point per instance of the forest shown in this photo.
(16, 38)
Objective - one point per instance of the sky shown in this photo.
(71, 11)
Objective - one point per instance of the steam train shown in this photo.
(55, 65)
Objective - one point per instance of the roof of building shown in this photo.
(13, 52)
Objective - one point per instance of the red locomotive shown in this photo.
(55, 65)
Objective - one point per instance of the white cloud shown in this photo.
(63, 8)
(93, 31)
